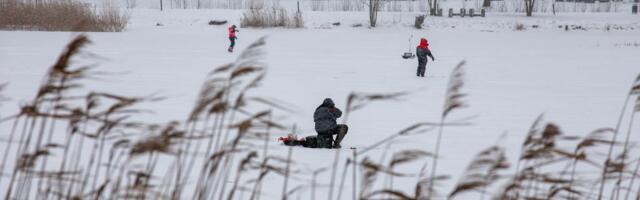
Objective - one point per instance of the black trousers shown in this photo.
(340, 128)
(325, 139)
(422, 67)
(233, 42)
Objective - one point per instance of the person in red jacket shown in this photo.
(422, 51)
(232, 37)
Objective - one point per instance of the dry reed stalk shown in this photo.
(344, 176)
(369, 176)
(218, 103)
(243, 167)
(286, 175)
(198, 193)
(221, 109)
(636, 108)
(515, 184)
(408, 156)
(353, 173)
(168, 137)
(540, 150)
(27, 130)
(239, 103)
(119, 110)
(401, 157)
(211, 92)
(356, 101)
(482, 171)
(3, 98)
(265, 155)
(161, 143)
(630, 188)
(66, 78)
(637, 168)
(313, 181)
(387, 182)
(592, 139)
(243, 129)
(10, 142)
(54, 84)
(635, 89)
(120, 105)
(114, 160)
(197, 146)
(91, 102)
(370, 173)
(453, 101)
(543, 151)
(259, 118)
(417, 128)
(74, 121)
(334, 169)
(59, 79)
(266, 168)
(182, 158)
(422, 187)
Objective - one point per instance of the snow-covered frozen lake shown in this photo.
(578, 78)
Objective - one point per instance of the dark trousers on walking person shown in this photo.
(422, 67)
(233, 43)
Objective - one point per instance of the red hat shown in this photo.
(423, 43)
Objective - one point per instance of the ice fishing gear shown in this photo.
(313, 141)
(409, 54)
(292, 140)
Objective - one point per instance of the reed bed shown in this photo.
(61, 16)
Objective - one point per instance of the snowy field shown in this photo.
(578, 78)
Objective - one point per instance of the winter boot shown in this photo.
(342, 131)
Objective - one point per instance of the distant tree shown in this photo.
(528, 5)
(433, 7)
(374, 7)
(486, 3)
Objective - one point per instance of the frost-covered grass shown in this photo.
(60, 16)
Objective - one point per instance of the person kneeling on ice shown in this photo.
(232, 37)
(325, 124)
(422, 51)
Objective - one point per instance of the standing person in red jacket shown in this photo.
(422, 51)
(232, 37)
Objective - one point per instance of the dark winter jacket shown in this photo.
(325, 117)
(422, 51)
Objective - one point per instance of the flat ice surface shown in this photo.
(577, 78)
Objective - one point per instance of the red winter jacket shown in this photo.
(422, 51)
